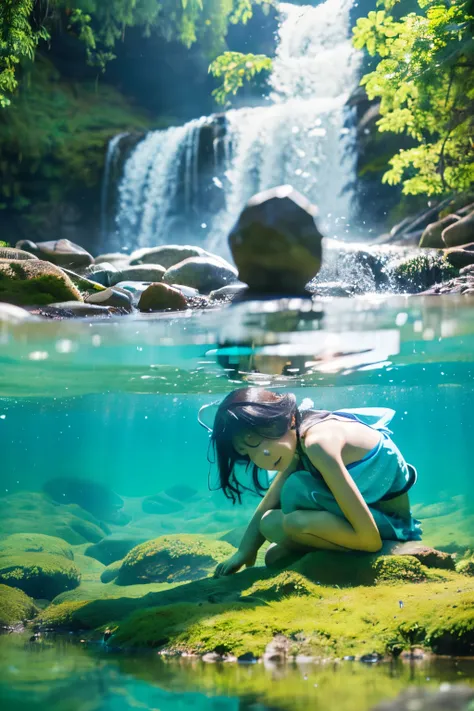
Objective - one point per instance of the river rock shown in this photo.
(118, 544)
(334, 288)
(15, 607)
(101, 273)
(33, 282)
(113, 296)
(202, 273)
(167, 255)
(227, 293)
(13, 253)
(431, 236)
(112, 258)
(14, 314)
(98, 499)
(173, 559)
(42, 568)
(462, 284)
(62, 252)
(188, 291)
(37, 513)
(162, 297)
(460, 233)
(275, 243)
(135, 288)
(75, 309)
(161, 504)
(141, 273)
(460, 257)
(85, 286)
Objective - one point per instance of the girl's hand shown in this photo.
(234, 564)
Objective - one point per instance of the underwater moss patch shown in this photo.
(35, 543)
(15, 606)
(39, 575)
(283, 585)
(466, 566)
(32, 512)
(111, 571)
(35, 283)
(173, 559)
(397, 568)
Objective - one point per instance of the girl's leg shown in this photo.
(318, 529)
(285, 547)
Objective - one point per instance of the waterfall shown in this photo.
(172, 191)
(112, 150)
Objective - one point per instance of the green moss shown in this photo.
(34, 283)
(15, 606)
(466, 566)
(173, 559)
(65, 616)
(39, 575)
(336, 623)
(396, 568)
(32, 512)
(111, 571)
(424, 270)
(35, 543)
(282, 585)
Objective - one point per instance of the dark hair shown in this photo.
(262, 411)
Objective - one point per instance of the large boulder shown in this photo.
(203, 273)
(142, 272)
(98, 499)
(42, 570)
(32, 282)
(62, 252)
(459, 233)
(162, 297)
(275, 243)
(431, 236)
(15, 607)
(170, 559)
(31, 512)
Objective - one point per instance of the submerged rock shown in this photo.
(76, 309)
(62, 252)
(32, 282)
(162, 297)
(15, 607)
(116, 546)
(170, 559)
(227, 293)
(41, 570)
(276, 244)
(98, 499)
(111, 571)
(161, 504)
(33, 512)
(203, 273)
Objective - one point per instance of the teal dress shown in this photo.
(383, 474)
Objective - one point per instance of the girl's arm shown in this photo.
(358, 530)
(252, 539)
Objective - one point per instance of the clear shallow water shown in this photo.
(66, 676)
(116, 403)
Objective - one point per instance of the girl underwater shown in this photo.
(341, 484)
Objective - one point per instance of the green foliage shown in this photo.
(99, 25)
(425, 82)
(236, 68)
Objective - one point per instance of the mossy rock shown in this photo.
(98, 499)
(398, 568)
(35, 543)
(283, 585)
(32, 512)
(39, 575)
(173, 559)
(32, 282)
(111, 571)
(15, 606)
(14, 253)
(466, 566)
(418, 273)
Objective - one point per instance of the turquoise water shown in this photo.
(116, 404)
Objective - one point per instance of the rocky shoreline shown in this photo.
(278, 251)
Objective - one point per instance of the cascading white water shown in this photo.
(299, 136)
